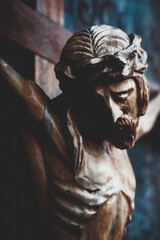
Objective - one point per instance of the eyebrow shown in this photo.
(123, 92)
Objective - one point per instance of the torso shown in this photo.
(91, 194)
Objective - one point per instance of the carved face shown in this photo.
(121, 100)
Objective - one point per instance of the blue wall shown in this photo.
(143, 18)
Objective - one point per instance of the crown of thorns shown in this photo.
(105, 46)
(103, 52)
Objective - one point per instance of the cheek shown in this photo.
(132, 107)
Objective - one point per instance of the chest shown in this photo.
(109, 171)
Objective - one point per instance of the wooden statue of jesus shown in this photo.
(76, 143)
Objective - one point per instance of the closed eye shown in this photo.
(121, 96)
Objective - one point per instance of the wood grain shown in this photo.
(44, 70)
(32, 30)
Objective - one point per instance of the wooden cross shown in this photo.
(40, 32)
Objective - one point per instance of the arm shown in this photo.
(21, 95)
(26, 98)
(147, 122)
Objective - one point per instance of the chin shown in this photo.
(124, 143)
(122, 135)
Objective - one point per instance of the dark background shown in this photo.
(18, 209)
(143, 18)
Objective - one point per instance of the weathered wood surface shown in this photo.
(44, 70)
(32, 29)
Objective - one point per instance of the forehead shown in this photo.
(122, 86)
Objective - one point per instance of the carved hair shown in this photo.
(103, 52)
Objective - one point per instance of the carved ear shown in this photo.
(63, 71)
(65, 76)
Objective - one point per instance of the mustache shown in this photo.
(123, 122)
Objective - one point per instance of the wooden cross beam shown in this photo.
(32, 29)
(39, 31)
(44, 70)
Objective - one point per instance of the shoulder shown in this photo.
(55, 121)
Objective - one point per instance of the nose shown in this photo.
(115, 109)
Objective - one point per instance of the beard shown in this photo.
(121, 134)
(124, 132)
(96, 124)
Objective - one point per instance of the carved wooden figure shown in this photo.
(76, 142)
